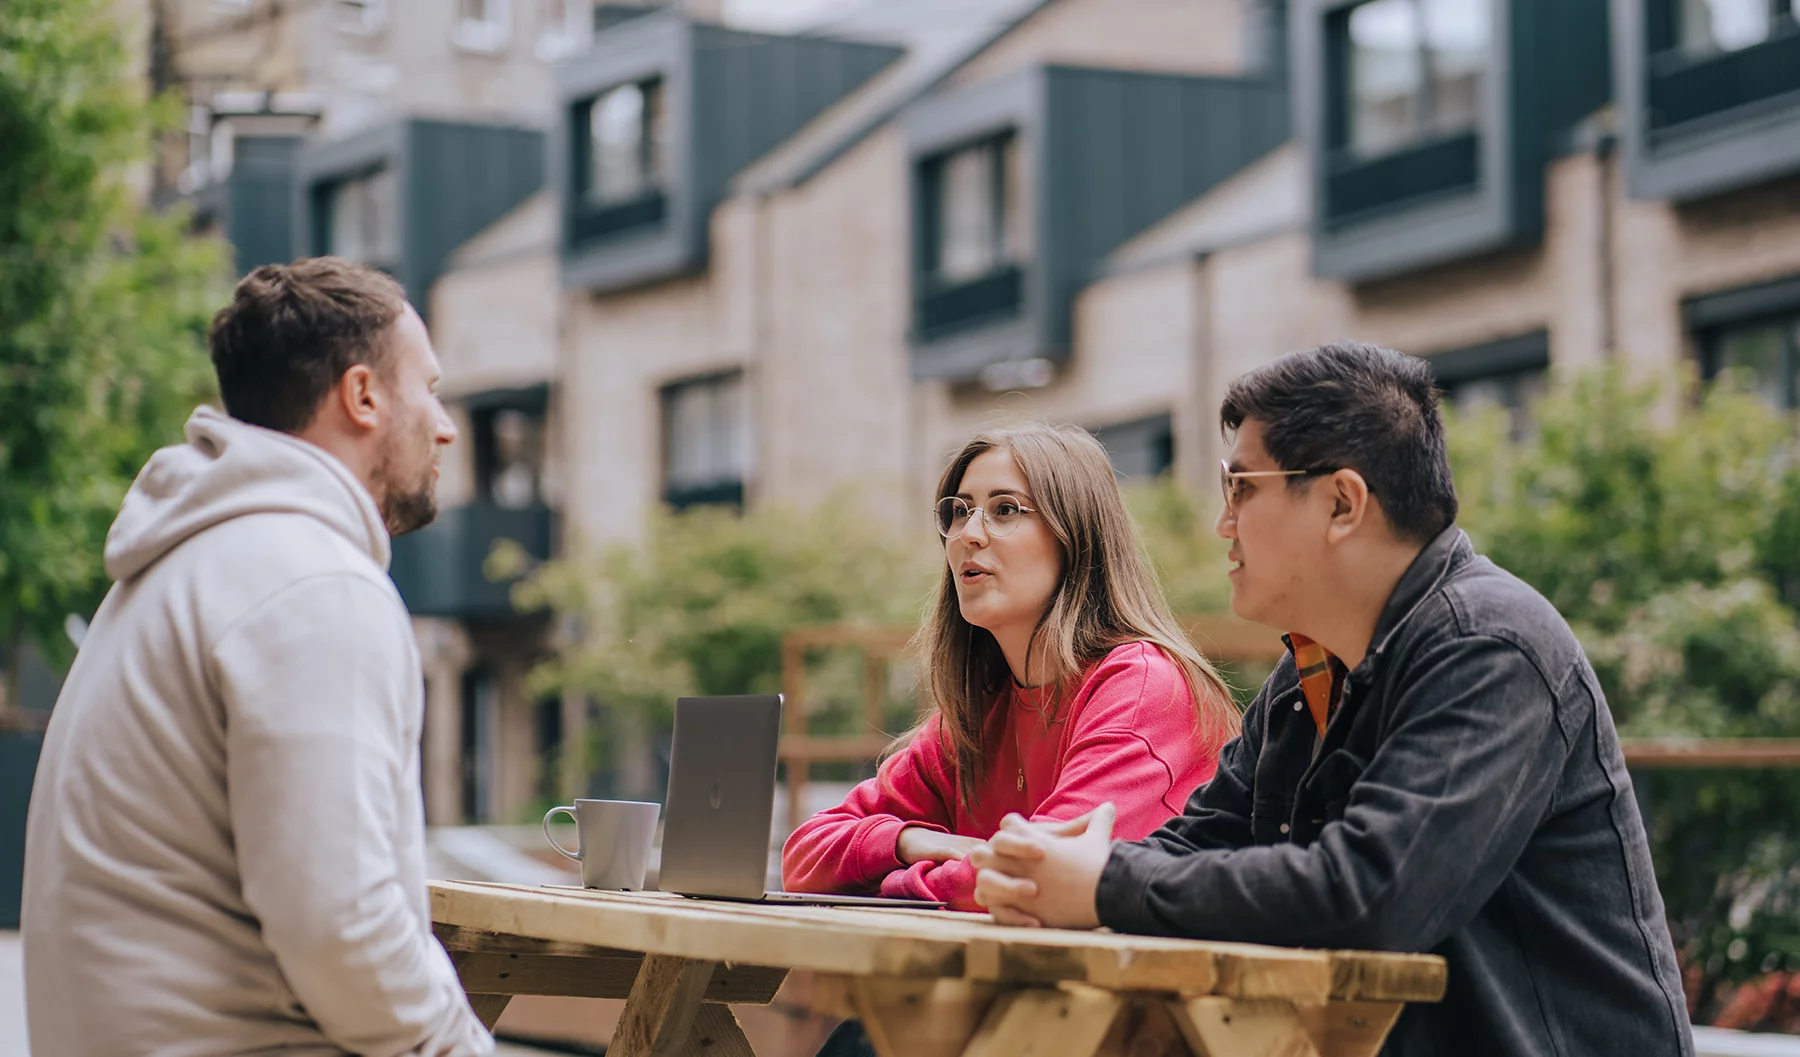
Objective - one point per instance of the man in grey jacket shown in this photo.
(1431, 768)
(225, 849)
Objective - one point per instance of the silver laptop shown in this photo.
(722, 800)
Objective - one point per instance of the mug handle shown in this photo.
(550, 814)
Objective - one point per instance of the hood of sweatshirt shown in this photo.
(230, 469)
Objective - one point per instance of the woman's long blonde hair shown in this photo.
(1108, 596)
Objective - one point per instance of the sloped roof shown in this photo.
(939, 37)
(1267, 197)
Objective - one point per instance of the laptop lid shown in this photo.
(721, 802)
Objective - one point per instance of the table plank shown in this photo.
(910, 943)
(700, 931)
(1004, 954)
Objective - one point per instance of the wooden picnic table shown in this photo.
(925, 983)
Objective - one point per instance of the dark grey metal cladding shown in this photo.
(729, 97)
(258, 196)
(1739, 122)
(1549, 69)
(460, 179)
(1125, 149)
(1104, 154)
(454, 179)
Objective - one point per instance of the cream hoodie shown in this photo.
(225, 850)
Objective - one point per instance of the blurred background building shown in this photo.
(747, 253)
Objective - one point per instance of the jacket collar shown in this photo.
(1450, 551)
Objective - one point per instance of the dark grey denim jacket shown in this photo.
(1469, 798)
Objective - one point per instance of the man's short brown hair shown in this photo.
(292, 330)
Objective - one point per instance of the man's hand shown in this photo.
(918, 844)
(1035, 874)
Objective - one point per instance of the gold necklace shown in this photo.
(1020, 785)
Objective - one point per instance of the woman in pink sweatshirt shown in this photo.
(1060, 681)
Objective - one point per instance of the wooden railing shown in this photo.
(1219, 637)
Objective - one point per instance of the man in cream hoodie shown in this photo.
(225, 850)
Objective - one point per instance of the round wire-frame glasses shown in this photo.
(953, 515)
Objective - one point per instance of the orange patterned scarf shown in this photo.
(1321, 677)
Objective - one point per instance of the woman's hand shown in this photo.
(918, 844)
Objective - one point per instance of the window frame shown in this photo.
(1340, 101)
(325, 196)
(723, 490)
(1710, 317)
(1000, 145)
(1516, 357)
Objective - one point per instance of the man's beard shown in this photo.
(406, 505)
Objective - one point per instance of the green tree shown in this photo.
(103, 308)
(701, 604)
(1663, 523)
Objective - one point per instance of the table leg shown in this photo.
(1242, 1027)
(488, 1008)
(664, 1004)
(919, 1017)
(1350, 1029)
(715, 1034)
(1071, 1021)
(1145, 1029)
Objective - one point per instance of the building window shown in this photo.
(1754, 334)
(706, 441)
(360, 16)
(1415, 70)
(1510, 374)
(362, 221)
(1709, 27)
(973, 201)
(564, 28)
(625, 143)
(1142, 448)
(971, 237)
(620, 162)
(482, 25)
(509, 457)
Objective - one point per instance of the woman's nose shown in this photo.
(975, 529)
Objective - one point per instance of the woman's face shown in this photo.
(1003, 583)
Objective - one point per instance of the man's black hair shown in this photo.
(1360, 407)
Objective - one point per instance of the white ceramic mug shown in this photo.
(613, 840)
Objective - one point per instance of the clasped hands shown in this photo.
(1030, 873)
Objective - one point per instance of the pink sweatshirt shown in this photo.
(1127, 735)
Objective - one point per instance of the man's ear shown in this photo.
(1350, 501)
(356, 394)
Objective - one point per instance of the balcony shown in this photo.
(589, 224)
(1683, 89)
(1414, 174)
(1357, 189)
(1696, 121)
(1063, 165)
(995, 296)
(712, 100)
(438, 569)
